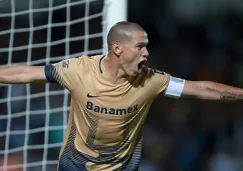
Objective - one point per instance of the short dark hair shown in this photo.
(122, 32)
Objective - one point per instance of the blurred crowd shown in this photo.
(201, 44)
(194, 40)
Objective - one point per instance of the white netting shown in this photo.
(33, 116)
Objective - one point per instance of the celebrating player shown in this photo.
(110, 98)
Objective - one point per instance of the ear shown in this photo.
(117, 49)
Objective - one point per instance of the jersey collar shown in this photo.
(101, 71)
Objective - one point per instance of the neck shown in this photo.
(113, 70)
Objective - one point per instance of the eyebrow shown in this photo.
(142, 43)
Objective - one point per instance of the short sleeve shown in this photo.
(158, 81)
(164, 83)
(65, 72)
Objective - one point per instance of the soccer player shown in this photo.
(110, 98)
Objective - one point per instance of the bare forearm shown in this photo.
(217, 91)
(12, 74)
(20, 74)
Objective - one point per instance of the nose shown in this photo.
(145, 52)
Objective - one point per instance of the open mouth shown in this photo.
(141, 66)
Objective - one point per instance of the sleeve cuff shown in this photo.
(50, 71)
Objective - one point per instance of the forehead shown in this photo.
(140, 37)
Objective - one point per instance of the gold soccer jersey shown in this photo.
(105, 124)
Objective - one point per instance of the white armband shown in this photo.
(175, 87)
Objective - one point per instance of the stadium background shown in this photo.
(191, 39)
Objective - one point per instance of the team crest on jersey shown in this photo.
(65, 64)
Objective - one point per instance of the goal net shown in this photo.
(33, 117)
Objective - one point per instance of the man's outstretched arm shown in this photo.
(211, 91)
(22, 74)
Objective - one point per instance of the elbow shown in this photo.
(206, 90)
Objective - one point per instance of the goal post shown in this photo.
(114, 11)
(33, 117)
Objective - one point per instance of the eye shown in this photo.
(140, 46)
